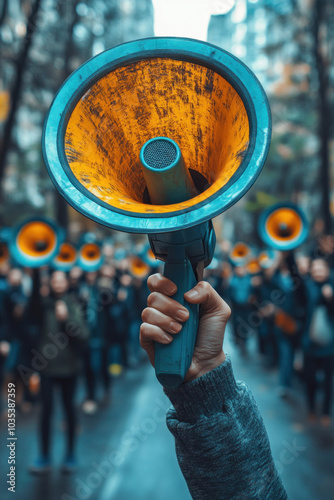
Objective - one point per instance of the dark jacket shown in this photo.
(61, 343)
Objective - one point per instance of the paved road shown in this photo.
(127, 453)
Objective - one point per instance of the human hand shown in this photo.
(164, 316)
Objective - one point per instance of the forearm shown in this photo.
(221, 442)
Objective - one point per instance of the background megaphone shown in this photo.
(239, 254)
(5, 234)
(150, 259)
(66, 257)
(35, 242)
(90, 257)
(283, 226)
(253, 266)
(138, 268)
(128, 119)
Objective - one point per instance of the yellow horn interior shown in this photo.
(138, 268)
(187, 102)
(240, 250)
(67, 253)
(287, 216)
(34, 233)
(90, 251)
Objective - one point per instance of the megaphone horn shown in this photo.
(239, 254)
(66, 257)
(4, 253)
(190, 133)
(283, 226)
(35, 242)
(138, 268)
(90, 257)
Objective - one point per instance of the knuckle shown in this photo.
(152, 298)
(145, 314)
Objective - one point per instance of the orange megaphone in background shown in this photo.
(239, 254)
(35, 242)
(253, 266)
(138, 268)
(66, 257)
(283, 226)
(150, 258)
(267, 258)
(90, 257)
(4, 251)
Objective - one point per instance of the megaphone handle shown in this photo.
(172, 360)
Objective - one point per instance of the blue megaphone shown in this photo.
(283, 226)
(35, 242)
(164, 164)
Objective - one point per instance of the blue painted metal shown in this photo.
(171, 184)
(182, 252)
(22, 259)
(195, 51)
(290, 244)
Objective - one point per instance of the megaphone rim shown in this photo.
(283, 245)
(25, 260)
(232, 69)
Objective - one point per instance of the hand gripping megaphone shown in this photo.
(158, 136)
(35, 242)
(283, 226)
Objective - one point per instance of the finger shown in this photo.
(157, 318)
(168, 306)
(152, 333)
(158, 283)
(211, 302)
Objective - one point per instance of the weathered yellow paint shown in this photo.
(287, 216)
(184, 101)
(34, 233)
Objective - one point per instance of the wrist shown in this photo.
(199, 368)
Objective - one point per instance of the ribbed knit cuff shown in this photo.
(206, 395)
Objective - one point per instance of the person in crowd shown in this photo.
(63, 334)
(240, 292)
(96, 351)
(289, 316)
(15, 304)
(221, 442)
(4, 344)
(318, 338)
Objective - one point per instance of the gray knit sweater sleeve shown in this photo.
(221, 442)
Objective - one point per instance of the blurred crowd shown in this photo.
(61, 327)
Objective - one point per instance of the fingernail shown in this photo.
(182, 315)
(167, 338)
(175, 327)
(192, 294)
(171, 289)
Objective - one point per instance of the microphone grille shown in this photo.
(160, 153)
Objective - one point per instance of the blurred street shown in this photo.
(126, 452)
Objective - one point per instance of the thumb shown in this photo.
(210, 300)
